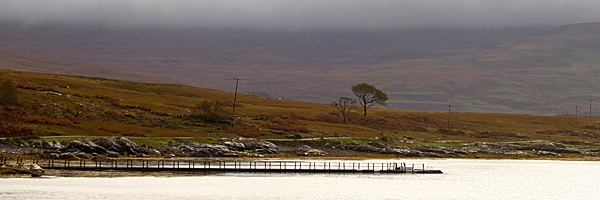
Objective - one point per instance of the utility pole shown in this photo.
(591, 107)
(237, 80)
(449, 109)
(576, 111)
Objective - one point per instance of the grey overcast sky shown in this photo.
(303, 14)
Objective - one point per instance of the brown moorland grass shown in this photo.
(84, 106)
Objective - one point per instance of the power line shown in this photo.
(449, 110)
(591, 107)
(237, 80)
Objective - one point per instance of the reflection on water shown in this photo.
(462, 179)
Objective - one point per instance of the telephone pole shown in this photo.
(237, 80)
(449, 109)
(576, 111)
(591, 107)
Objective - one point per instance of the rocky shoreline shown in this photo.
(124, 148)
(115, 147)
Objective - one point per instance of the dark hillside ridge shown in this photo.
(592, 28)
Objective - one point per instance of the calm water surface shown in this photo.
(462, 179)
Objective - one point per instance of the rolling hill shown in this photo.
(79, 106)
(518, 70)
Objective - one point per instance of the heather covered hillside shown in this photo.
(60, 105)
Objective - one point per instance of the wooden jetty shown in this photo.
(268, 166)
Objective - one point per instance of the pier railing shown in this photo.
(234, 166)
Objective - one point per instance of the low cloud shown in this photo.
(303, 14)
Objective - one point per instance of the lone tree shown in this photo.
(344, 105)
(368, 95)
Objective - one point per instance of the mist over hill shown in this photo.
(533, 69)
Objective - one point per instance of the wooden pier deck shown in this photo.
(237, 166)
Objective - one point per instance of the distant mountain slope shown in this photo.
(16, 61)
(549, 74)
(525, 70)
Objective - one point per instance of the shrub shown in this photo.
(151, 124)
(331, 118)
(36, 119)
(133, 134)
(13, 130)
(29, 137)
(404, 122)
(44, 110)
(594, 127)
(8, 93)
(209, 111)
(108, 130)
(180, 105)
(486, 134)
(247, 130)
(114, 115)
(450, 132)
(111, 100)
(384, 138)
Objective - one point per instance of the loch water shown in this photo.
(462, 179)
